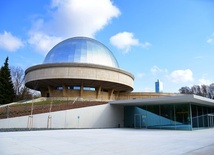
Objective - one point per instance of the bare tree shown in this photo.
(211, 88)
(18, 79)
(182, 90)
(185, 90)
(203, 90)
(196, 89)
(21, 91)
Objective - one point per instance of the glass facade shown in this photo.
(81, 50)
(202, 117)
(185, 116)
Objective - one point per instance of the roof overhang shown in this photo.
(166, 100)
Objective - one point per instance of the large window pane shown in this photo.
(153, 116)
(167, 116)
(194, 116)
(182, 112)
(200, 117)
(129, 116)
(205, 116)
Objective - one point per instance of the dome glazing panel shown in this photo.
(81, 50)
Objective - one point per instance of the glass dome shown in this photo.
(81, 50)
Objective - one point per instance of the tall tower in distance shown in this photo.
(158, 86)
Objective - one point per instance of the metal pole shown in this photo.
(190, 115)
(208, 123)
(8, 111)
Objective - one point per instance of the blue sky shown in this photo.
(168, 40)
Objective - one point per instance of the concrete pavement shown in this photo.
(107, 142)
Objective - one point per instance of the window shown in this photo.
(59, 88)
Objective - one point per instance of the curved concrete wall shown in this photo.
(63, 73)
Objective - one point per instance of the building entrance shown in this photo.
(140, 121)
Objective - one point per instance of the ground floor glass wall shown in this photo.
(202, 117)
(168, 116)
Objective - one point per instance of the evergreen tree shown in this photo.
(6, 85)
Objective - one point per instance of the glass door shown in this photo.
(140, 121)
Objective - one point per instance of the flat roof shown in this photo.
(166, 100)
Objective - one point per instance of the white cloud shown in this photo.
(155, 70)
(82, 17)
(10, 42)
(210, 40)
(140, 75)
(146, 44)
(181, 76)
(68, 18)
(125, 40)
(42, 42)
(204, 81)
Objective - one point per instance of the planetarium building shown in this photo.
(84, 69)
(80, 67)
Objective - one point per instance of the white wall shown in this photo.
(101, 116)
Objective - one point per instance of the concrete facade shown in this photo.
(47, 77)
(185, 112)
(102, 116)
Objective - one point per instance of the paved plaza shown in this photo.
(107, 142)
